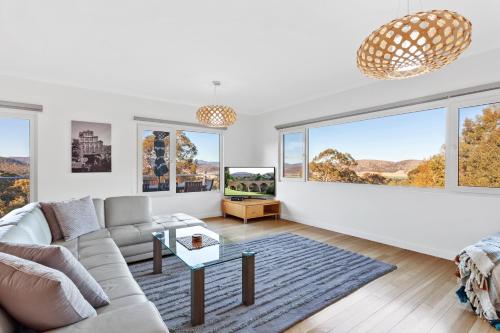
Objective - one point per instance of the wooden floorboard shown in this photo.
(419, 296)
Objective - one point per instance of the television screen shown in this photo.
(247, 182)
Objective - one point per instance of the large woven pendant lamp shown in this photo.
(414, 44)
(216, 115)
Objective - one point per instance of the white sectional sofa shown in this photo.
(125, 236)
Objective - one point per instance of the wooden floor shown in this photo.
(419, 296)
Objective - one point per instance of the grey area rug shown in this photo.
(295, 277)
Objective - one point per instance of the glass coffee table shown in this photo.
(197, 259)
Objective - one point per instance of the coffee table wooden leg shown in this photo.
(157, 257)
(198, 296)
(248, 278)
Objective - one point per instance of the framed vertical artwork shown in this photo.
(90, 147)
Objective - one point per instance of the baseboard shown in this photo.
(441, 253)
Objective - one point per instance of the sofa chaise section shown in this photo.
(130, 223)
(129, 310)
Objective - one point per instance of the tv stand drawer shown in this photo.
(254, 211)
(234, 209)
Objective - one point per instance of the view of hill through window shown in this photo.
(14, 164)
(405, 149)
(293, 155)
(197, 161)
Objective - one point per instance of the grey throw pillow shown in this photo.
(76, 217)
(39, 297)
(61, 259)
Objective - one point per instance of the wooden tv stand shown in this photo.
(251, 208)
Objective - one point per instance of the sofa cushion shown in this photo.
(125, 235)
(7, 324)
(143, 317)
(146, 230)
(98, 234)
(178, 220)
(127, 210)
(12, 233)
(121, 287)
(110, 271)
(71, 245)
(30, 227)
(94, 247)
(8, 232)
(165, 218)
(121, 302)
(61, 259)
(50, 216)
(132, 250)
(40, 297)
(102, 259)
(170, 225)
(76, 217)
(15, 215)
(195, 222)
(99, 210)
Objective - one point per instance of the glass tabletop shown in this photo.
(206, 256)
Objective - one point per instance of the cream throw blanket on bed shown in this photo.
(479, 272)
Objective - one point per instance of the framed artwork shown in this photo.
(90, 147)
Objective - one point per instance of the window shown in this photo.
(197, 161)
(479, 146)
(293, 155)
(404, 149)
(155, 161)
(172, 159)
(16, 163)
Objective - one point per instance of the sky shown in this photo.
(416, 135)
(293, 147)
(470, 112)
(207, 144)
(14, 137)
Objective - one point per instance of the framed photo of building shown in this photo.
(90, 147)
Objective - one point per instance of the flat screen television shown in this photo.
(249, 182)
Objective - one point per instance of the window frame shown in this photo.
(451, 140)
(388, 113)
(375, 115)
(33, 119)
(454, 137)
(281, 173)
(172, 130)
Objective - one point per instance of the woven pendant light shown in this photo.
(216, 115)
(414, 45)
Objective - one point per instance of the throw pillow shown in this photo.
(61, 259)
(40, 297)
(51, 218)
(76, 217)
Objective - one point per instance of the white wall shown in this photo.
(63, 104)
(434, 222)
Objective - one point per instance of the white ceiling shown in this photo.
(267, 53)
